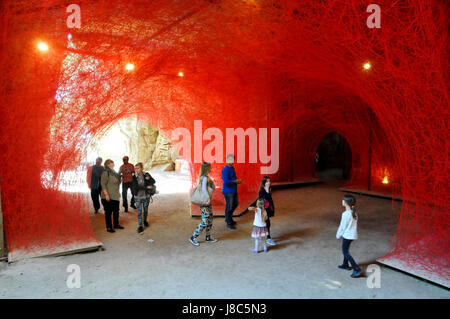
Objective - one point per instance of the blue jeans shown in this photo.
(142, 207)
(231, 203)
(347, 257)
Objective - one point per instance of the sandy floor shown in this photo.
(302, 265)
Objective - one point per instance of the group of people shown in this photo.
(229, 191)
(263, 211)
(104, 183)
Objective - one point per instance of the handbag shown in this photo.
(198, 197)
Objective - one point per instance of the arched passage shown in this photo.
(235, 58)
(333, 157)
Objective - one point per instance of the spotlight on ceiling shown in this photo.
(129, 67)
(180, 73)
(42, 46)
(367, 66)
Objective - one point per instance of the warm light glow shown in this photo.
(42, 46)
(367, 66)
(129, 66)
(180, 74)
(385, 180)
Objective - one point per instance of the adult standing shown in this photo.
(207, 187)
(229, 191)
(93, 179)
(265, 192)
(142, 190)
(110, 182)
(126, 172)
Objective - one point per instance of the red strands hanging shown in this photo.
(297, 66)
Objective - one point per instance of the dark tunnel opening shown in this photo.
(333, 157)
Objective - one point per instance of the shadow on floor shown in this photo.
(293, 237)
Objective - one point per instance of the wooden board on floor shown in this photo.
(298, 182)
(415, 269)
(74, 251)
(370, 193)
(69, 249)
(219, 210)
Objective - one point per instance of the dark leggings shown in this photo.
(347, 257)
(268, 226)
(111, 208)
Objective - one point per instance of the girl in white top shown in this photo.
(259, 225)
(349, 232)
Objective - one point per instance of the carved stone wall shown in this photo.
(146, 144)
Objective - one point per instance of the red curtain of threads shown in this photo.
(292, 65)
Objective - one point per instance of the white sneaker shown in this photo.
(270, 242)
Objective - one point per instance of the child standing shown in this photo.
(259, 225)
(265, 192)
(348, 230)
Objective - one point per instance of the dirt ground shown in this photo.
(302, 265)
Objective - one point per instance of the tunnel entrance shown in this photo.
(141, 143)
(333, 157)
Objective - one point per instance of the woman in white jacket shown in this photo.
(348, 230)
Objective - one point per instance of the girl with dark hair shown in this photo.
(265, 192)
(348, 230)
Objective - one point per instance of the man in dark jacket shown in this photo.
(142, 188)
(93, 179)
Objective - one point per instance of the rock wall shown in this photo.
(145, 144)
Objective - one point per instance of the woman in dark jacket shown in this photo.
(142, 188)
(265, 191)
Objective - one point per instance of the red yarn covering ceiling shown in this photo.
(292, 65)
